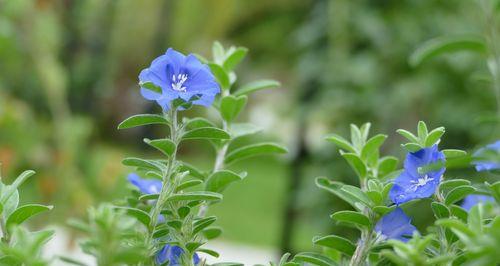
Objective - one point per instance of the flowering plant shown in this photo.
(462, 233)
(165, 221)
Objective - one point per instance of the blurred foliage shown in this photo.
(68, 74)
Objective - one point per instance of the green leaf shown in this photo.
(356, 139)
(203, 223)
(210, 252)
(458, 228)
(193, 171)
(221, 75)
(140, 215)
(352, 217)
(459, 212)
(256, 86)
(372, 145)
(198, 122)
(434, 136)
(212, 232)
(197, 195)
(141, 120)
(351, 195)
(20, 179)
(386, 165)
(408, 135)
(23, 213)
(254, 150)
(149, 197)
(218, 52)
(206, 133)
(336, 242)
(412, 147)
(450, 184)
(243, 129)
(219, 180)
(422, 131)
(188, 184)
(458, 193)
(234, 57)
(356, 164)
(314, 259)
(446, 44)
(71, 261)
(151, 86)
(341, 143)
(160, 232)
(231, 106)
(142, 163)
(450, 153)
(166, 146)
(440, 210)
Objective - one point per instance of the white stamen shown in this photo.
(420, 182)
(178, 81)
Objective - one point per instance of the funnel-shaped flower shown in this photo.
(395, 225)
(176, 76)
(471, 200)
(421, 175)
(173, 255)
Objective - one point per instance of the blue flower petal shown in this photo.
(146, 186)
(488, 164)
(471, 200)
(173, 255)
(395, 225)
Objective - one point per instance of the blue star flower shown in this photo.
(412, 183)
(395, 225)
(146, 186)
(179, 77)
(472, 200)
(488, 158)
(173, 254)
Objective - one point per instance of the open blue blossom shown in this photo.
(146, 186)
(173, 255)
(488, 158)
(395, 225)
(421, 175)
(471, 200)
(179, 77)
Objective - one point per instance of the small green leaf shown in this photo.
(166, 146)
(347, 193)
(188, 184)
(243, 129)
(458, 193)
(198, 122)
(412, 147)
(372, 145)
(314, 259)
(218, 52)
(212, 232)
(140, 215)
(141, 120)
(434, 136)
(219, 180)
(197, 195)
(450, 153)
(336, 242)
(440, 210)
(234, 57)
(352, 217)
(256, 86)
(183, 211)
(206, 133)
(387, 165)
(149, 197)
(356, 164)
(23, 213)
(254, 150)
(408, 135)
(201, 224)
(193, 171)
(356, 139)
(210, 252)
(151, 86)
(221, 75)
(71, 261)
(142, 163)
(459, 212)
(446, 44)
(341, 143)
(422, 131)
(231, 106)
(450, 184)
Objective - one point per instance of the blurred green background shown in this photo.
(68, 76)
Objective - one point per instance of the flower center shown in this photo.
(178, 81)
(420, 182)
(153, 189)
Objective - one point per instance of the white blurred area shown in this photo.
(229, 252)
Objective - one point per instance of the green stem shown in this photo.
(166, 189)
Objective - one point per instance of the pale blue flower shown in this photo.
(146, 186)
(173, 255)
(471, 200)
(395, 225)
(488, 158)
(179, 77)
(421, 175)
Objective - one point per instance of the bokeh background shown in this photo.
(68, 76)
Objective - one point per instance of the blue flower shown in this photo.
(173, 255)
(146, 186)
(179, 77)
(412, 183)
(395, 225)
(488, 158)
(472, 200)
